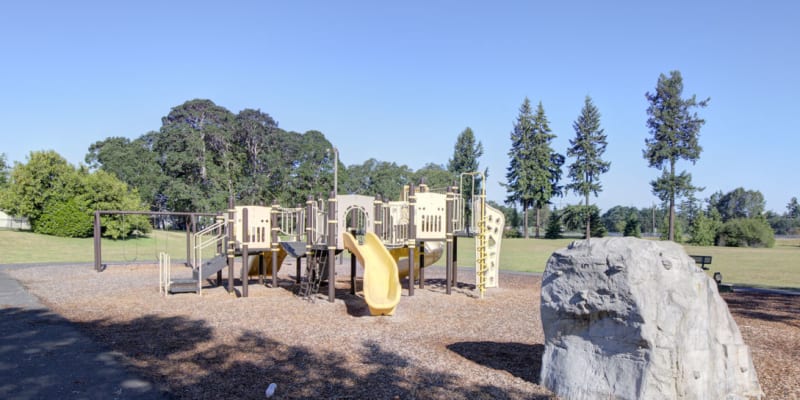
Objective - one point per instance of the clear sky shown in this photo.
(398, 81)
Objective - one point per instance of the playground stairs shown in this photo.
(168, 284)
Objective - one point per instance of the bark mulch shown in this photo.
(436, 346)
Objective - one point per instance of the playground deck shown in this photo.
(435, 346)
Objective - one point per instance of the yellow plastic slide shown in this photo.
(268, 261)
(381, 282)
(433, 252)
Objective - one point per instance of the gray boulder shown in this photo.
(627, 318)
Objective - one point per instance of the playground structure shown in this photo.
(391, 240)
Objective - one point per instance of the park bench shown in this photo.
(706, 260)
(702, 260)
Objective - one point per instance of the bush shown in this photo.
(704, 229)
(553, 230)
(512, 232)
(67, 219)
(633, 227)
(746, 232)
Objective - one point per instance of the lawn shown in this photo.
(30, 248)
(776, 267)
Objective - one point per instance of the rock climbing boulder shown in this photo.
(627, 318)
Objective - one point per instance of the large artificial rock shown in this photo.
(626, 318)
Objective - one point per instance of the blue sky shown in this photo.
(398, 81)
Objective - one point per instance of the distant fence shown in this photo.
(9, 222)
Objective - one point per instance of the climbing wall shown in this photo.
(489, 238)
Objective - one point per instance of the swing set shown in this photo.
(191, 221)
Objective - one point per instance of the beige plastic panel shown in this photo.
(429, 216)
(258, 224)
(344, 203)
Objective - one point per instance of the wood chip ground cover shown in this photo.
(436, 346)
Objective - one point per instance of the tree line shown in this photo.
(203, 153)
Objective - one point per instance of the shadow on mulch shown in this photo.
(245, 366)
(521, 360)
(766, 307)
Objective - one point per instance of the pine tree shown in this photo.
(535, 169)
(675, 133)
(587, 148)
(465, 160)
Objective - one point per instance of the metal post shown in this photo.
(231, 242)
(449, 240)
(245, 251)
(421, 264)
(189, 230)
(274, 238)
(353, 272)
(309, 233)
(378, 218)
(412, 243)
(332, 239)
(97, 251)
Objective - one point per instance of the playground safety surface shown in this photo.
(219, 345)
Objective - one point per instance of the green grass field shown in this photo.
(26, 248)
(776, 267)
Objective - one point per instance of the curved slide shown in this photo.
(433, 252)
(381, 281)
(268, 261)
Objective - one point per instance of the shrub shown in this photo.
(704, 229)
(633, 227)
(553, 230)
(512, 233)
(67, 219)
(746, 232)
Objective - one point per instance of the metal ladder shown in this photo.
(315, 263)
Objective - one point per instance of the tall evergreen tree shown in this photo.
(519, 171)
(675, 132)
(465, 160)
(535, 169)
(587, 148)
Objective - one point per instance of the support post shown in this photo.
(245, 251)
(231, 242)
(219, 251)
(98, 262)
(455, 261)
(309, 233)
(421, 264)
(449, 240)
(274, 228)
(332, 239)
(353, 270)
(412, 242)
(189, 230)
